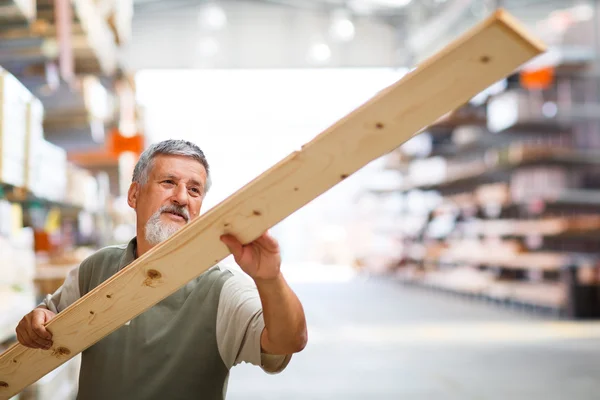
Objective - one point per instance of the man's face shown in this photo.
(171, 197)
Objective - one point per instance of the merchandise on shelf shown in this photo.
(82, 188)
(52, 181)
(14, 98)
(17, 292)
(519, 214)
(34, 164)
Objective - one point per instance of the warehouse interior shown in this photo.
(461, 265)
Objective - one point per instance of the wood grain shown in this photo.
(485, 54)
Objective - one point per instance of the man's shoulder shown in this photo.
(107, 252)
(108, 256)
(229, 274)
(101, 265)
(234, 272)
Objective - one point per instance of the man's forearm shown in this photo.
(285, 323)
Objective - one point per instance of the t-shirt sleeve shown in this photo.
(240, 324)
(65, 295)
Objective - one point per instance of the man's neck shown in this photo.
(142, 245)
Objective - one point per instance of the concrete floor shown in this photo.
(374, 339)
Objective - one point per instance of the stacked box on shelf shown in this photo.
(14, 98)
(35, 134)
(53, 174)
(82, 188)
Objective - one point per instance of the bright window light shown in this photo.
(319, 53)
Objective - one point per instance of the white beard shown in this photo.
(158, 231)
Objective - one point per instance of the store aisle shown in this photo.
(375, 339)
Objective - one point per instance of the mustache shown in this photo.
(177, 210)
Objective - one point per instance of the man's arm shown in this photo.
(285, 324)
(66, 295)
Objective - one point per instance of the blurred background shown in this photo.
(462, 265)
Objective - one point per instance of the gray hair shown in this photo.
(171, 147)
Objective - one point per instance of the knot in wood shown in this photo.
(152, 278)
(153, 274)
(60, 352)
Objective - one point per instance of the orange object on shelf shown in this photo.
(537, 79)
(42, 241)
(118, 144)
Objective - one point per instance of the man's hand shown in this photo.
(260, 259)
(31, 331)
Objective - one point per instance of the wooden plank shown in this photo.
(490, 51)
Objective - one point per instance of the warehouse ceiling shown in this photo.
(191, 34)
(307, 33)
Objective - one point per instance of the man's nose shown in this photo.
(180, 195)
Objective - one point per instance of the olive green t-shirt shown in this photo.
(181, 348)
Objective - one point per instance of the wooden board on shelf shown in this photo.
(469, 281)
(504, 160)
(535, 261)
(543, 227)
(393, 116)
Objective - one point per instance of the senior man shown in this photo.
(184, 346)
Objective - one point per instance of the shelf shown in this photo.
(507, 160)
(538, 261)
(19, 195)
(553, 295)
(470, 282)
(579, 224)
(547, 125)
(576, 197)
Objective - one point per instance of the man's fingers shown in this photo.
(31, 332)
(40, 335)
(21, 339)
(37, 323)
(234, 246)
(41, 342)
(268, 242)
(29, 341)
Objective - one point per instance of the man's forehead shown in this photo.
(177, 166)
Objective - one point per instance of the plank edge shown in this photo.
(516, 28)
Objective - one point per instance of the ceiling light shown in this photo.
(342, 28)
(212, 17)
(320, 53)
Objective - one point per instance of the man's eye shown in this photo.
(195, 190)
(169, 182)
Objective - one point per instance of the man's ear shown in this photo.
(132, 195)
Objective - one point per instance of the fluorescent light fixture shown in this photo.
(213, 17)
(342, 27)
